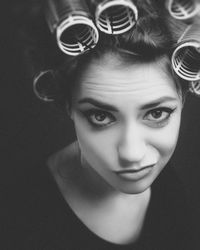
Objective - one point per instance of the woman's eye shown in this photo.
(99, 118)
(159, 115)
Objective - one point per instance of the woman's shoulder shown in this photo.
(43, 212)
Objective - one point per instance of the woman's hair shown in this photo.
(154, 36)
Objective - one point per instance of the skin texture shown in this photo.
(141, 128)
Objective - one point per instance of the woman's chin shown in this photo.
(134, 188)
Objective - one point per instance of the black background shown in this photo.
(31, 130)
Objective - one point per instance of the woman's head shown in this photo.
(127, 117)
(125, 102)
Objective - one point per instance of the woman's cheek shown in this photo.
(96, 145)
(165, 139)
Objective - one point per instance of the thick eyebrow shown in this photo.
(98, 104)
(158, 102)
(106, 106)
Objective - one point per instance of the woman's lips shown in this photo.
(135, 174)
(133, 170)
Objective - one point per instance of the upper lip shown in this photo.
(133, 170)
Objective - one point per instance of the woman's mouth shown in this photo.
(135, 174)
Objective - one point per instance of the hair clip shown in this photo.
(186, 56)
(45, 86)
(183, 9)
(73, 25)
(194, 87)
(116, 16)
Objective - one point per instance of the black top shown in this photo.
(44, 221)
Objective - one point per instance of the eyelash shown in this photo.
(95, 112)
(91, 113)
(160, 122)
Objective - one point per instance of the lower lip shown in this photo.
(135, 176)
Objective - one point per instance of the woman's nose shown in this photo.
(131, 147)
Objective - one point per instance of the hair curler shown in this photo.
(194, 87)
(45, 86)
(186, 56)
(183, 9)
(73, 25)
(116, 16)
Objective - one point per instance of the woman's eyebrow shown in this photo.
(158, 102)
(98, 104)
(102, 105)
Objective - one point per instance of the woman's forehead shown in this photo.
(109, 76)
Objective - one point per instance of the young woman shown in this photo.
(126, 114)
(113, 188)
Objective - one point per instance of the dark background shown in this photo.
(30, 130)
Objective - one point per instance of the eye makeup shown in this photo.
(159, 117)
(156, 118)
(98, 118)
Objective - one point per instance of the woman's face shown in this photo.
(127, 119)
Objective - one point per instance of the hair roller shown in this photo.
(116, 16)
(45, 86)
(73, 25)
(194, 87)
(183, 9)
(186, 56)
